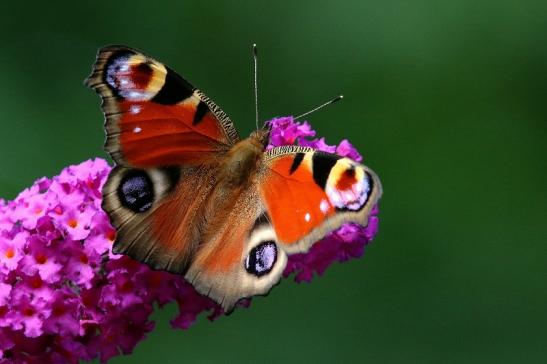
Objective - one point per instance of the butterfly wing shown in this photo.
(154, 117)
(299, 196)
(157, 213)
(308, 193)
(240, 256)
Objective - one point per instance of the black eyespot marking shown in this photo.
(173, 175)
(141, 75)
(174, 90)
(322, 164)
(201, 110)
(371, 187)
(298, 158)
(350, 172)
(263, 219)
(261, 258)
(136, 191)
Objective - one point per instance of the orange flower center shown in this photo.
(111, 235)
(84, 259)
(36, 283)
(126, 286)
(73, 223)
(10, 253)
(155, 280)
(58, 310)
(40, 258)
(29, 311)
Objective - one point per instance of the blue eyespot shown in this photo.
(136, 191)
(261, 258)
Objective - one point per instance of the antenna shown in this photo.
(255, 59)
(337, 98)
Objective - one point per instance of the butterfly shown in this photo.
(189, 196)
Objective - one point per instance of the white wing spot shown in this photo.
(307, 217)
(137, 130)
(324, 206)
(135, 109)
(135, 95)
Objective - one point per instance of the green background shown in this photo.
(447, 102)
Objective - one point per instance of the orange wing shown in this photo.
(308, 193)
(154, 117)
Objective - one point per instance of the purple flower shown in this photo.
(286, 132)
(345, 149)
(65, 297)
(11, 251)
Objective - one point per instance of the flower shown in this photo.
(65, 297)
(284, 131)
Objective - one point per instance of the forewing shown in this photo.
(308, 193)
(154, 117)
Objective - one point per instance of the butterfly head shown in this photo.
(261, 136)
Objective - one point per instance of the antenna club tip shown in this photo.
(255, 49)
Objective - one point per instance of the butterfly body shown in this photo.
(189, 196)
(241, 163)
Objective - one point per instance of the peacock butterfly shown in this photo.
(189, 196)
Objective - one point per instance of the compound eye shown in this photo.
(136, 191)
(261, 258)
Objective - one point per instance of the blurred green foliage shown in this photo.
(446, 100)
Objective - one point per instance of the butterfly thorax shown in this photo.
(242, 161)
